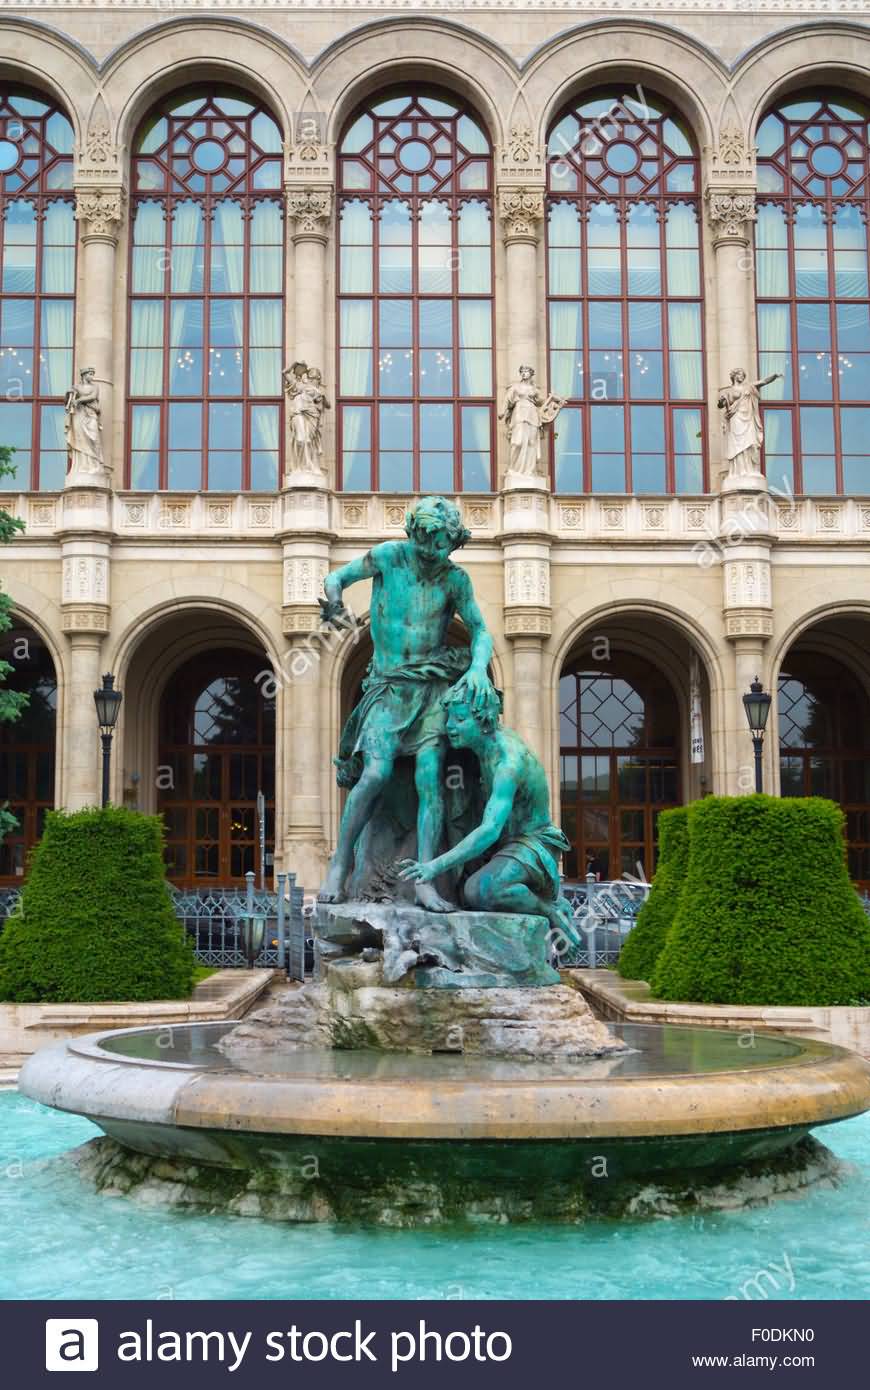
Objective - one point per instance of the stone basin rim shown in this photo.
(811, 1051)
(829, 1084)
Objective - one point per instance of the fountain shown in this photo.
(439, 1066)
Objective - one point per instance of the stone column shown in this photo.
(306, 541)
(527, 613)
(746, 539)
(99, 211)
(731, 215)
(85, 620)
(522, 212)
(310, 213)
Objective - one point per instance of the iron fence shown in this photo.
(604, 914)
(217, 918)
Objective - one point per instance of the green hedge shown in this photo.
(767, 914)
(643, 946)
(96, 920)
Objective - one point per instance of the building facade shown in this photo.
(305, 251)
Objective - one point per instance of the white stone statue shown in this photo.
(741, 423)
(83, 431)
(527, 411)
(303, 386)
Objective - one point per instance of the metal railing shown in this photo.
(604, 914)
(218, 919)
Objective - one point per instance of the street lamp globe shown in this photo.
(108, 702)
(756, 702)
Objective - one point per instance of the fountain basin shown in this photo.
(366, 1126)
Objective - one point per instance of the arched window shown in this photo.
(37, 288)
(415, 297)
(625, 298)
(217, 752)
(27, 747)
(206, 327)
(619, 742)
(812, 292)
(824, 744)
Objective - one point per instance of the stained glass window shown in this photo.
(37, 285)
(625, 299)
(812, 293)
(415, 308)
(206, 296)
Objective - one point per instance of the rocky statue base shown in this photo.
(445, 950)
(395, 978)
(353, 1009)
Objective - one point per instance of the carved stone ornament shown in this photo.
(520, 144)
(730, 213)
(100, 210)
(98, 144)
(732, 147)
(311, 210)
(521, 211)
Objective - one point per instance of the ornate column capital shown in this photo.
(731, 213)
(521, 210)
(310, 211)
(100, 210)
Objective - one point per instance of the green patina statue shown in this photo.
(417, 590)
(522, 875)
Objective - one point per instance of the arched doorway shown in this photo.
(620, 755)
(216, 754)
(824, 743)
(27, 749)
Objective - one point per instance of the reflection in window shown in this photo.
(37, 285)
(624, 297)
(217, 753)
(824, 744)
(813, 296)
(207, 307)
(619, 743)
(415, 310)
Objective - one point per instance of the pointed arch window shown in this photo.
(37, 285)
(206, 323)
(415, 306)
(813, 298)
(625, 298)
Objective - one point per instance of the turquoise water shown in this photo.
(58, 1240)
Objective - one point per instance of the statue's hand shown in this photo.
(412, 871)
(476, 685)
(333, 612)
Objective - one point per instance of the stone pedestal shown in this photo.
(447, 950)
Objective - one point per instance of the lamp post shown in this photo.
(108, 702)
(756, 702)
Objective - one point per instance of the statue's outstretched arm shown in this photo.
(335, 583)
(478, 841)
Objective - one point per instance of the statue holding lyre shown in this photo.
(527, 412)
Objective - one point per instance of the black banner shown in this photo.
(489, 1344)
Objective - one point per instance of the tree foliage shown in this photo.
(768, 914)
(96, 920)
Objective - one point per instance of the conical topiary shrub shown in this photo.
(637, 959)
(767, 914)
(96, 920)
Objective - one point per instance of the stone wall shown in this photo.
(102, 570)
